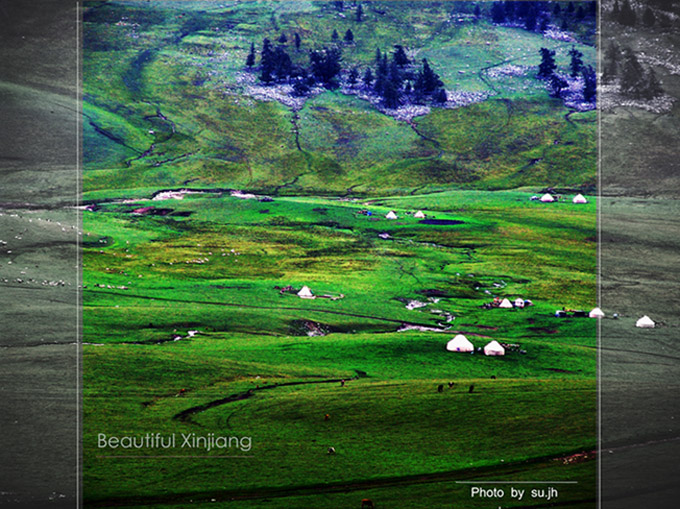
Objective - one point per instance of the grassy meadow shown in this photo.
(185, 326)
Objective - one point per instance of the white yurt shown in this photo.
(505, 304)
(305, 293)
(391, 215)
(519, 302)
(579, 198)
(596, 313)
(494, 348)
(645, 322)
(419, 214)
(460, 344)
(547, 197)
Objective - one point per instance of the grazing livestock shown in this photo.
(331, 450)
(367, 503)
(472, 389)
(451, 384)
(493, 377)
(440, 388)
(326, 417)
(342, 383)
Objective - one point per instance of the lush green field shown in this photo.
(215, 271)
(168, 105)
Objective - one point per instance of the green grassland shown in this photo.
(250, 330)
(187, 66)
(167, 106)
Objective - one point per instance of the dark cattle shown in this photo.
(331, 450)
(472, 389)
(367, 503)
(440, 388)
(451, 384)
(493, 377)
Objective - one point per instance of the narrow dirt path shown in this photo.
(185, 415)
(286, 184)
(434, 142)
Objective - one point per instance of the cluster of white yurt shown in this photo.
(461, 344)
(519, 302)
(549, 198)
(644, 323)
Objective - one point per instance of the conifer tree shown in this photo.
(349, 36)
(530, 18)
(325, 66)
(352, 76)
(266, 62)
(547, 66)
(632, 76)
(399, 56)
(652, 85)
(497, 13)
(610, 64)
(250, 59)
(381, 71)
(589, 83)
(427, 81)
(368, 77)
(627, 16)
(282, 63)
(557, 85)
(395, 76)
(391, 95)
(576, 61)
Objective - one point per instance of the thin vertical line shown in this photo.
(599, 257)
(79, 231)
